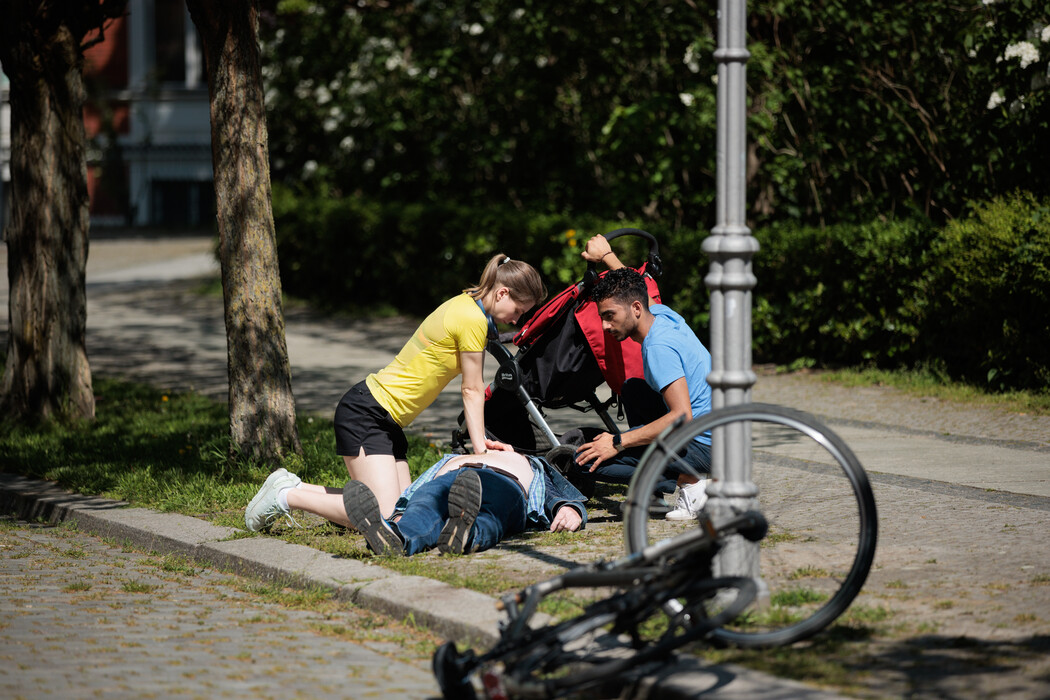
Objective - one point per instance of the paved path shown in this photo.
(80, 618)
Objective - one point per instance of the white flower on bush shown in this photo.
(691, 61)
(686, 99)
(1024, 51)
(995, 99)
(1044, 36)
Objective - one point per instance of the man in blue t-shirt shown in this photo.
(676, 366)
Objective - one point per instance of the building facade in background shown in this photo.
(147, 123)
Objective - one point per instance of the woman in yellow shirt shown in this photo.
(370, 418)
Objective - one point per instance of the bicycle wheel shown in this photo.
(819, 505)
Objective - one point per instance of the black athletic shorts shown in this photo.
(361, 422)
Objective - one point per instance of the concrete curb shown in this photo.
(466, 616)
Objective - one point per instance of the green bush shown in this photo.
(840, 295)
(973, 298)
(988, 294)
(355, 254)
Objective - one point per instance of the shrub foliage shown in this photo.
(972, 297)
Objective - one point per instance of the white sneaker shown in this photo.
(264, 508)
(688, 500)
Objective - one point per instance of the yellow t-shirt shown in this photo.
(430, 359)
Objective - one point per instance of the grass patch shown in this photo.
(169, 452)
(176, 564)
(826, 662)
(310, 598)
(807, 572)
(133, 586)
(796, 597)
(468, 571)
(775, 537)
(930, 383)
(865, 615)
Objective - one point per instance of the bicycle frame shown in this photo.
(677, 566)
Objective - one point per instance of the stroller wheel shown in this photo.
(561, 457)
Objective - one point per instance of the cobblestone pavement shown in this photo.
(81, 618)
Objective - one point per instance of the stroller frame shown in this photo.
(510, 375)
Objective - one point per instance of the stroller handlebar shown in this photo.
(655, 266)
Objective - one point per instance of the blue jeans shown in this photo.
(620, 469)
(642, 406)
(502, 513)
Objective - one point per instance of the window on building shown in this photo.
(177, 45)
(182, 203)
(170, 40)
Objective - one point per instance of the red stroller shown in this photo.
(563, 356)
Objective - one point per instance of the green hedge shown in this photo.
(841, 295)
(973, 297)
(988, 294)
(349, 253)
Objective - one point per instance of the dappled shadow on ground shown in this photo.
(934, 666)
(853, 656)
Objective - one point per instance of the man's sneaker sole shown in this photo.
(464, 502)
(362, 509)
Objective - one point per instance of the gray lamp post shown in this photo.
(730, 281)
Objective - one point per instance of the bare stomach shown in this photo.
(511, 462)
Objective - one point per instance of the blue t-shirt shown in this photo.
(671, 351)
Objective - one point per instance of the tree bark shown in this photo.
(262, 408)
(47, 375)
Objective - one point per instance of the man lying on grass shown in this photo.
(463, 505)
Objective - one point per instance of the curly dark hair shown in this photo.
(623, 285)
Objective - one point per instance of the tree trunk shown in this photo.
(47, 375)
(262, 409)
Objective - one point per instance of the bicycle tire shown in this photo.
(797, 462)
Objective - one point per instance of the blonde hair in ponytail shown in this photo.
(519, 277)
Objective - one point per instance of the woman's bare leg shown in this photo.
(328, 502)
(381, 473)
(384, 475)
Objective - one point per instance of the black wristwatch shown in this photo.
(618, 442)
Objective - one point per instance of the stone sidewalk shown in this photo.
(86, 618)
(949, 480)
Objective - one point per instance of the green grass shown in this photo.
(930, 383)
(132, 586)
(168, 452)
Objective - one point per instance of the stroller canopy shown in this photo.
(564, 353)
